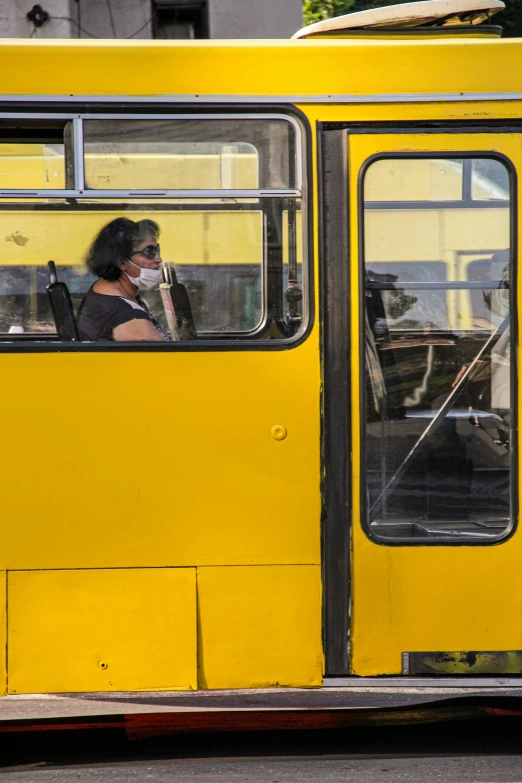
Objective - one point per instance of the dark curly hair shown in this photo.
(115, 243)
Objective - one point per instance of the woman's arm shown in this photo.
(136, 330)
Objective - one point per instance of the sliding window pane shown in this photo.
(189, 154)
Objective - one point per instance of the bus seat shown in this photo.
(176, 299)
(61, 306)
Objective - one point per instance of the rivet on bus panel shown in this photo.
(103, 665)
(279, 432)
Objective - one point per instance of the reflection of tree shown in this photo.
(317, 10)
(396, 301)
(314, 10)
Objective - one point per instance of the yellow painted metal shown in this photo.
(259, 627)
(307, 67)
(420, 598)
(162, 459)
(414, 110)
(202, 482)
(110, 630)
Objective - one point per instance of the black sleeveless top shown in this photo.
(100, 314)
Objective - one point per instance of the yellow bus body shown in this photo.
(163, 511)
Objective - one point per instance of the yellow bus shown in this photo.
(321, 482)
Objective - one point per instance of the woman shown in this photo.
(126, 257)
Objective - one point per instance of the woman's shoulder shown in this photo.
(110, 302)
(100, 314)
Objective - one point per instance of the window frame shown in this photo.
(80, 191)
(478, 204)
(303, 174)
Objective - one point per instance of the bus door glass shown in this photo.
(435, 544)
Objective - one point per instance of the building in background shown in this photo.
(165, 19)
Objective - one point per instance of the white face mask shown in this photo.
(147, 279)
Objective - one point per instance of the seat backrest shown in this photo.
(178, 303)
(61, 306)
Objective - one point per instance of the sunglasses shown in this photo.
(150, 252)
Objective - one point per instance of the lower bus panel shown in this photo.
(135, 629)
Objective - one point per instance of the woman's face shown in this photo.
(141, 256)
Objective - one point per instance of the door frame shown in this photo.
(335, 313)
(334, 280)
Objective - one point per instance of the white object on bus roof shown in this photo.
(426, 12)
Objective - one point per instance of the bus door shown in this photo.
(435, 550)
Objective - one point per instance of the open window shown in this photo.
(35, 155)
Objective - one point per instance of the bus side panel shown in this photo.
(433, 599)
(259, 627)
(193, 477)
(102, 630)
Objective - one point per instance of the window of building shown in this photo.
(225, 191)
(438, 347)
(178, 20)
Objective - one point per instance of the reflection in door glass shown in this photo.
(438, 355)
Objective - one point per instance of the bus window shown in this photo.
(225, 193)
(438, 349)
(189, 154)
(220, 253)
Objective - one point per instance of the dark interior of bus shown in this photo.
(439, 444)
